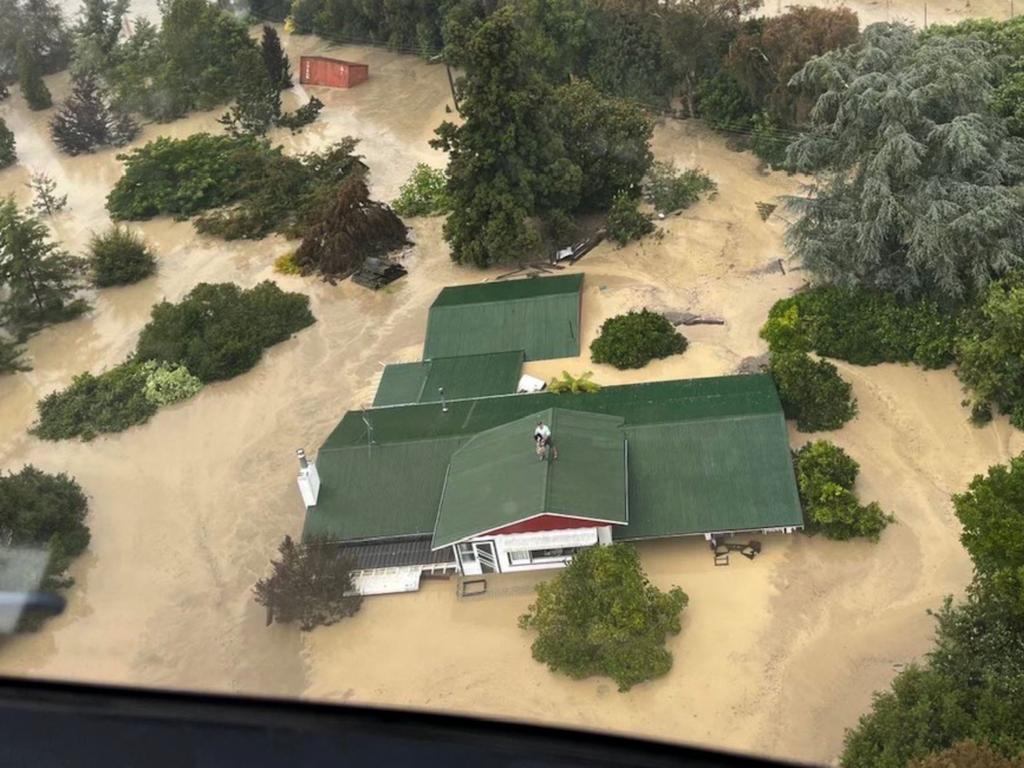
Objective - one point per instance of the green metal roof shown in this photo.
(703, 455)
(468, 376)
(540, 316)
(496, 478)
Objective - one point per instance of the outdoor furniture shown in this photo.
(472, 587)
(722, 559)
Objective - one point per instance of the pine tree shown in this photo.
(7, 155)
(258, 104)
(47, 201)
(274, 59)
(85, 122)
(36, 94)
(40, 277)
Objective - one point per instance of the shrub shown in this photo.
(7, 153)
(825, 476)
(669, 190)
(967, 754)
(602, 616)
(285, 264)
(769, 141)
(311, 584)
(424, 194)
(11, 358)
(574, 385)
(92, 405)
(634, 339)
(301, 117)
(862, 327)
(119, 257)
(219, 330)
(812, 392)
(625, 222)
(47, 511)
(167, 383)
(723, 103)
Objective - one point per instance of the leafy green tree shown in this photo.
(46, 34)
(93, 405)
(269, 10)
(30, 77)
(724, 104)
(303, 15)
(990, 351)
(625, 222)
(812, 391)
(919, 195)
(119, 257)
(85, 121)
(764, 57)
(41, 279)
(507, 160)
(607, 138)
(825, 475)
(669, 190)
(7, 153)
(991, 511)
(97, 32)
(311, 584)
(219, 331)
(424, 194)
(43, 510)
(602, 616)
(301, 117)
(634, 339)
(275, 61)
(626, 55)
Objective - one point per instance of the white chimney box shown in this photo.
(308, 480)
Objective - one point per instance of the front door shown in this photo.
(477, 557)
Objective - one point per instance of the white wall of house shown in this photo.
(536, 551)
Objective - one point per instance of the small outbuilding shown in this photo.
(334, 73)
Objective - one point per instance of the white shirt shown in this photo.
(542, 431)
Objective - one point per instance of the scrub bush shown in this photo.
(812, 392)
(825, 476)
(92, 405)
(311, 584)
(119, 257)
(634, 339)
(47, 511)
(167, 383)
(602, 616)
(862, 327)
(285, 264)
(424, 194)
(625, 222)
(574, 385)
(967, 754)
(219, 330)
(669, 190)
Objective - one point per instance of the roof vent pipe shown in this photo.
(444, 403)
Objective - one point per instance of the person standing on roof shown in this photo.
(545, 446)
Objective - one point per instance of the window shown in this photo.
(519, 557)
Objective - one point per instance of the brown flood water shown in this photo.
(187, 510)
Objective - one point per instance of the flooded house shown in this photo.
(442, 475)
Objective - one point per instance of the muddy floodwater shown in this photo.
(187, 510)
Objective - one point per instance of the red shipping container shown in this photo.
(335, 73)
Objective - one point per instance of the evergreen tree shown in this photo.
(4, 91)
(7, 155)
(507, 161)
(47, 202)
(918, 188)
(46, 34)
(258, 103)
(11, 358)
(274, 59)
(100, 23)
(85, 122)
(40, 278)
(36, 94)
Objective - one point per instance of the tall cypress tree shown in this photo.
(36, 94)
(85, 122)
(40, 277)
(274, 59)
(7, 155)
(258, 103)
